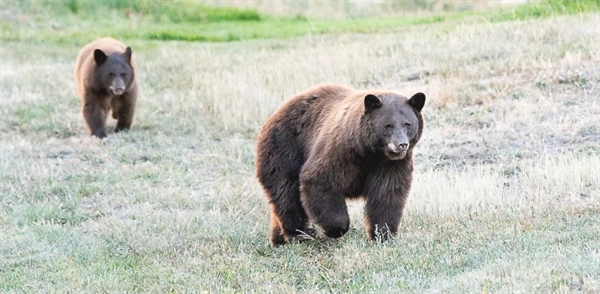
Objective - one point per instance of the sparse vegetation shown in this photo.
(507, 186)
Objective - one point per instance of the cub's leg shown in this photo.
(123, 109)
(95, 112)
(326, 208)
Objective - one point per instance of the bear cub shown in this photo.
(331, 143)
(106, 80)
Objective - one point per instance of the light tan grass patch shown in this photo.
(563, 181)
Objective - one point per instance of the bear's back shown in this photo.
(300, 119)
(286, 138)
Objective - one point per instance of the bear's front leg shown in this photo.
(123, 108)
(386, 190)
(383, 214)
(95, 116)
(326, 208)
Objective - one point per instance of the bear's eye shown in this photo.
(123, 75)
(389, 127)
(406, 125)
(112, 74)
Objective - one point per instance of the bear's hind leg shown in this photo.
(277, 237)
(288, 213)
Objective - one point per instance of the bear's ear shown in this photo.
(372, 102)
(99, 56)
(417, 101)
(127, 54)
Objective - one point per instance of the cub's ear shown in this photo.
(99, 56)
(417, 101)
(372, 102)
(127, 54)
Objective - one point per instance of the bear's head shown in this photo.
(114, 72)
(393, 123)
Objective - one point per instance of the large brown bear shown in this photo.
(330, 143)
(106, 80)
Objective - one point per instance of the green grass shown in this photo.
(162, 11)
(72, 28)
(80, 20)
(463, 254)
(506, 188)
(548, 8)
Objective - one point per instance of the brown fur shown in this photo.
(95, 86)
(330, 143)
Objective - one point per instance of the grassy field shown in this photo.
(506, 197)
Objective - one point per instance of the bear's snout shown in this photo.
(398, 148)
(396, 151)
(118, 90)
(117, 86)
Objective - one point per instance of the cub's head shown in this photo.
(394, 123)
(114, 72)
